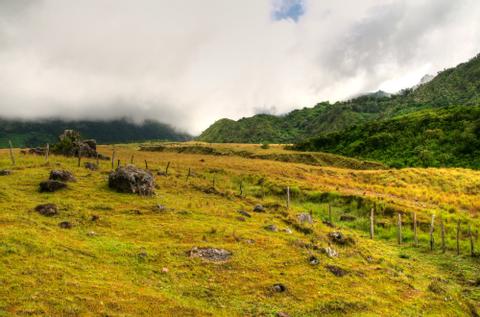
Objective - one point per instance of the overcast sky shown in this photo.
(191, 62)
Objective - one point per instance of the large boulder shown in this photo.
(130, 179)
(51, 186)
(47, 210)
(71, 144)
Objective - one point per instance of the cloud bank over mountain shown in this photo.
(189, 63)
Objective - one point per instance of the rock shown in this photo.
(272, 228)
(130, 179)
(282, 314)
(331, 253)
(70, 144)
(62, 176)
(95, 218)
(51, 186)
(279, 288)
(160, 208)
(210, 254)
(165, 270)
(47, 210)
(65, 225)
(244, 213)
(347, 218)
(5, 172)
(91, 166)
(328, 223)
(142, 255)
(242, 219)
(304, 217)
(340, 238)
(91, 233)
(313, 260)
(259, 208)
(287, 230)
(337, 271)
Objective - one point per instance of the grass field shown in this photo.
(134, 259)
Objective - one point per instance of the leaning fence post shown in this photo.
(113, 157)
(166, 169)
(118, 163)
(79, 156)
(399, 228)
(372, 222)
(189, 172)
(146, 164)
(472, 245)
(288, 197)
(12, 157)
(241, 188)
(458, 237)
(415, 236)
(442, 228)
(432, 228)
(47, 150)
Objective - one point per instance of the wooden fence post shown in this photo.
(79, 156)
(47, 150)
(472, 245)
(458, 237)
(288, 197)
(166, 169)
(241, 188)
(146, 165)
(12, 156)
(213, 180)
(189, 172)
(113, 157)
(432, 228)
(442, 228)
(118, 163)
(372, 222)
(132, 159)
(400, 228)
(415, 235)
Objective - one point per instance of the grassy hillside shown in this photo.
(133, 259)
(37, 133)
(435, 137)
(455, 86)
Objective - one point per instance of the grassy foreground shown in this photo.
(133, 260)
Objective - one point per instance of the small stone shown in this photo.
(244, 213)
(95, 217)
(287, 230)
(47, 210)
(90, 166)
(165, 270)
(160, 208)
(279, 288)
(337, 271)
(51, 186)
(242, 219)
(271, 228)
(210, 254)
(313, 260)
(331, 253)
(282, 314)
(305, 218)
(65, 225)
(259, 208)
(91, 233)
(62, 176)
(142, 255)
(5, 172)
(340, 238)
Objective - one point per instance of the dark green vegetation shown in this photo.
(36, 133)
(433, 137)
(436, 124)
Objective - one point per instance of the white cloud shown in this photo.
(189, 63)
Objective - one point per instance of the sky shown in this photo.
(189, 63)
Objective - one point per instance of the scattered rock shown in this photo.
(142, 255)
(136, 212)
(210, 254)
(244, 213)
(340, 238)
(279, 288)
(51, 186)
(337, 271)
(242, 219)
(47, 210)
(305, 218)
(130, 179)
(259, 208)
(272, 228)
(282, 314)
(70, 144)
(347, 218)
(90, 166)
(331, 253)
(328, 223)
(313, 260)
(65, 225)
(287, 230)
(5, 172)
(165, 270)
(160, 208)
(95, 217)
(62, 176)
(91, 233)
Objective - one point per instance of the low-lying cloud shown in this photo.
(189, 62)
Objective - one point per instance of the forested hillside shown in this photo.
(34, 133)
(455, 86)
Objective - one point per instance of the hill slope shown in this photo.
(456, 86)
(30, 133)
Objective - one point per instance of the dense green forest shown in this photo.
(455, 86)
(35, 133)
(433, 137)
